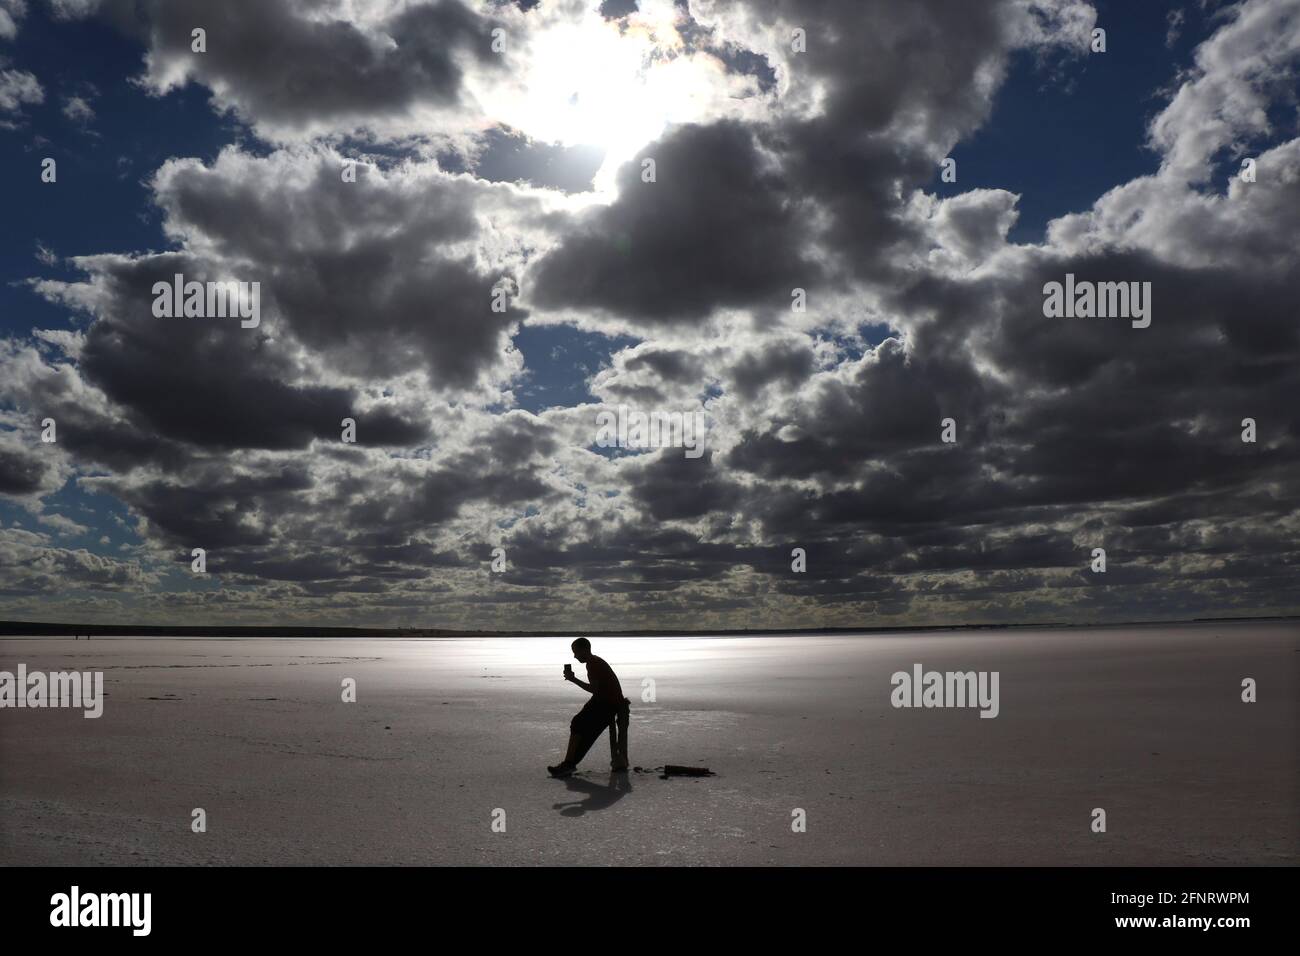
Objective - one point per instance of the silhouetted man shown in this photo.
(606, 708)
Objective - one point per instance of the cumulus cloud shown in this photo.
(34, 567)
(78, 110)
(62, 524)
(298, 68)
(11, 14)
(28, 469)
(823, 424)
(714, 230)
(1239, 71)
(17, 88)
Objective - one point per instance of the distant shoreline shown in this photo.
(53, 629)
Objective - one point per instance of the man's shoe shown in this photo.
(561, 770)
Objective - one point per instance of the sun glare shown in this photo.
(593, 84)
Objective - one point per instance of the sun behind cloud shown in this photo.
(613, 83)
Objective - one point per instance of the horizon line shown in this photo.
(59, 629)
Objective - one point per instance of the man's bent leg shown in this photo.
(586, 727)
(581, 743)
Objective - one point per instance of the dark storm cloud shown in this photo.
(673, 486)
(358, 271)
(891, 403)
(612, 9)
(671, 365)
(1088, 414)
(288, 521)
(716, 228)
(511, 158)
(884, 62)
(504, 468)
(1088, 422)
(208, 381)
(787, 363)
(89, 427)
(900, 83)
(652, 376)
(642, 555)
(214, 509)
(23, 469)
(1229, 324)
(293, 64)
(1157, 410)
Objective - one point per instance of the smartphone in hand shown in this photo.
(568, 670)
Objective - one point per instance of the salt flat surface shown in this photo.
(1145, 722)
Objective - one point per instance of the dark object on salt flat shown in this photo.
(672, 770)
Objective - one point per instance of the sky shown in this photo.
(821, 232)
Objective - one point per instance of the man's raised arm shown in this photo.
(569, 676)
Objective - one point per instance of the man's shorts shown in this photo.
(595, 716)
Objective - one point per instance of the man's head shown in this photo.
(581, 650)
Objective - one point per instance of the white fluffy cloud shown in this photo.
(17, 88)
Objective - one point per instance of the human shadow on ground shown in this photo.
(595, 796)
